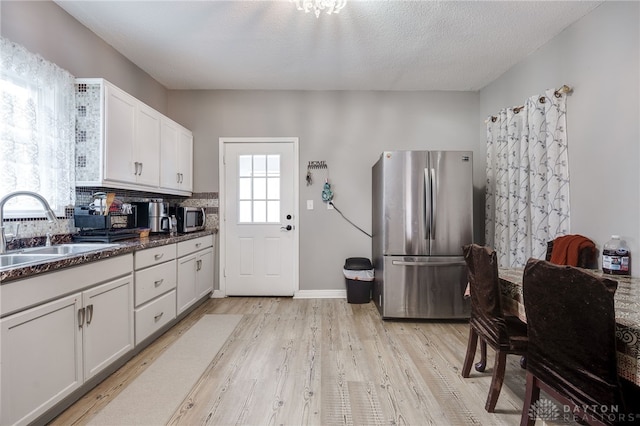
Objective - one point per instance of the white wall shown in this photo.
(598, 57)
(348, 130)
(46, 29)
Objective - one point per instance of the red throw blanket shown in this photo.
(566, 249)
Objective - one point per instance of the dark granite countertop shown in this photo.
(123, 247)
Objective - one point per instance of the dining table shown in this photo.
(627, 313)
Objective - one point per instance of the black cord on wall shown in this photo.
(345, 218)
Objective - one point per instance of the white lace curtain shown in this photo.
(527, 194)
(37, 130)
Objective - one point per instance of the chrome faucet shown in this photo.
(47, 210)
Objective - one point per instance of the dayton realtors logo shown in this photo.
(545, 410)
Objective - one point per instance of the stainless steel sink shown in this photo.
(65, 249)
(20, 259)
(35, 255)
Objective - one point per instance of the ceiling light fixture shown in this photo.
(331, 6)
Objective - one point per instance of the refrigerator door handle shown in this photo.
(433, 189)
(427, 212)
(409, 263)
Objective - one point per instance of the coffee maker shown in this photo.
(154, 215)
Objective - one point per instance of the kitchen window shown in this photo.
(37, 131)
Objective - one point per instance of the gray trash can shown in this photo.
(358, 274)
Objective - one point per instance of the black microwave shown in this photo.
(190, 219)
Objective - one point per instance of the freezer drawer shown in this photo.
(422, 287)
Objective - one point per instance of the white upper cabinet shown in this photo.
(119, 141)
(147, 145)
(119, 135)
(176, 158)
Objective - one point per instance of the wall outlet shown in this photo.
(329, 206)
(309, 204)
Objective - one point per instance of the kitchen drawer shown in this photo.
(152, 282)
(152, 316)
(154, 256)
(191, 246)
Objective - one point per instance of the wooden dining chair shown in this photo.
(505, 334)
(572, 345)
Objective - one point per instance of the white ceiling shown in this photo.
(370, 45)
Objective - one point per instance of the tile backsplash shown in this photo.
(34, 227)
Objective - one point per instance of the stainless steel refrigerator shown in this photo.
(422, 217)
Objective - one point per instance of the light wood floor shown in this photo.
(325, 362)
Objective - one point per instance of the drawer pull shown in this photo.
(198, 245)
(157, 283)
(158, 256)
(157, 317)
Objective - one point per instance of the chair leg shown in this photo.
(496, 381)
(482, 364)
(471, 352)
(531, 395)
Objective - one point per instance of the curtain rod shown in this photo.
(563, 90)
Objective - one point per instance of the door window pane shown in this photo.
(259, 189)
(273, 165)
(259, 181)
(259, 211)
(244, 189)
(244, 165)
(260, 165)
(273, 188)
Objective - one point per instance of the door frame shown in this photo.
(222, 291)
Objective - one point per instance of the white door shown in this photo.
(259, 217)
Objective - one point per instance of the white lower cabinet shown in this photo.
(41, 359)
(50, 350)
(108, 324)
(195, 271)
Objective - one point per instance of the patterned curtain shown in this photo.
(527, 194)
(37, 130)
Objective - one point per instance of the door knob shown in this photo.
(287, 228)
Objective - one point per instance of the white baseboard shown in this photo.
(301, 294)
(217, 294)
(320, 294)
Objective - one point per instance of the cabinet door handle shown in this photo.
(181, 178)
(89, 314)
(80, 317)
(198, 265)
(157, 317)
(158, 256)
(177, 177)
(135, 172)
(140, 174)
(157, 283)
